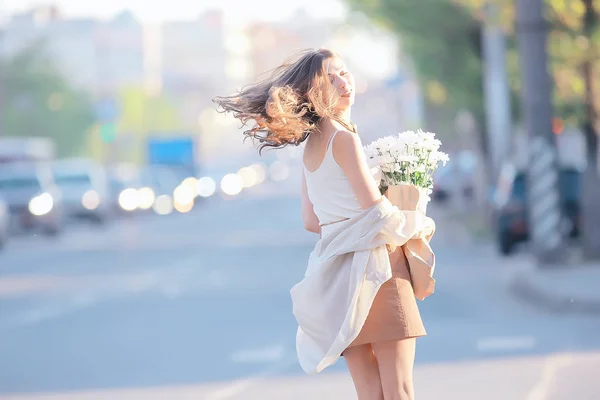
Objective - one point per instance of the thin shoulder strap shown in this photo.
(331, 140)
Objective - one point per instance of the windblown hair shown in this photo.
(285, 108)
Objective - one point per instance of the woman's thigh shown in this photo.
(364, 371)
(396, 361)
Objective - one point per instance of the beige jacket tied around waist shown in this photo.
(346, 269)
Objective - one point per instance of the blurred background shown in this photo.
(147, 251)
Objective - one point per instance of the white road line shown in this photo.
(505, 343)
(259, 355)
(237, 387)
(553, 364)
(45, 313)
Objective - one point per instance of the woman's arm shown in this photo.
(311, 222)
(349, 154)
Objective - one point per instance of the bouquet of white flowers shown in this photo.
(406, 158)
(403, 165)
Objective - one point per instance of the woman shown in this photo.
(356, 299)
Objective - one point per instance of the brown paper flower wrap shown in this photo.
(418, 253)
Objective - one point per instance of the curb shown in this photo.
(521, 286)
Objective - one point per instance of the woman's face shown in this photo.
(342, 80)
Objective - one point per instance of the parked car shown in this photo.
(160, 182)
(4, 222)
(34, 201)
(456, 178)
(443, 182)
(84, 187)
(511, 208)
(123, 184)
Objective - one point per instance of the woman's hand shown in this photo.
(408, 197)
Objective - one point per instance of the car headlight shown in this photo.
(184, 195)
(90, 200)
(206, 187)
(146, 198)
(41, 205)
(129, 199)
(163, 205)
(231, 184)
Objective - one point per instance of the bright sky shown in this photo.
(158, 10)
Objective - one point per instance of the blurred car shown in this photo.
(457, 177)
(228, 181)
(443, 182)
(123, 185)
(34, 201)
(138, 190)
(156, 191)
(123, 196)
(84, 188)
(511, 209)
(4, 222)
(210, 180)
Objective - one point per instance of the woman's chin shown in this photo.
(344, 105)
(347, 101)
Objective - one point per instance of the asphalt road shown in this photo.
(197, 306)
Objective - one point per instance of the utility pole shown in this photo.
(590, 196)
(543, 196)
(496, 88)
(2, 69)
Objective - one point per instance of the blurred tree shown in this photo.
(38, 101)
(444, 39)
(142, 113)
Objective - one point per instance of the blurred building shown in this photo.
(119, 49)
(388, 99)
(273, 42)
(99, 56)
(193, 55)
(201, 59)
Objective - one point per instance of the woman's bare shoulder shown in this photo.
(346, 142)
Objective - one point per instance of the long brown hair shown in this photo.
(286, 107)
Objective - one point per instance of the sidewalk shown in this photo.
(561, 376)
(574, 288)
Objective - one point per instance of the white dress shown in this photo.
(348, 267)
(329, 190)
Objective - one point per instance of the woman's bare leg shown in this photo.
(365, 372)
(396, 361)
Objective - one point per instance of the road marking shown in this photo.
(239, 386)
(259, 355)
(505, 343)
(45, 313)
(553, 364)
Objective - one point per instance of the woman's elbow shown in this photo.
(312, 226)
(311, 223)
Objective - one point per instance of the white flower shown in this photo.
(377, 174)
(407, 157)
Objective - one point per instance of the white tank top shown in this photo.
(330, 191)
